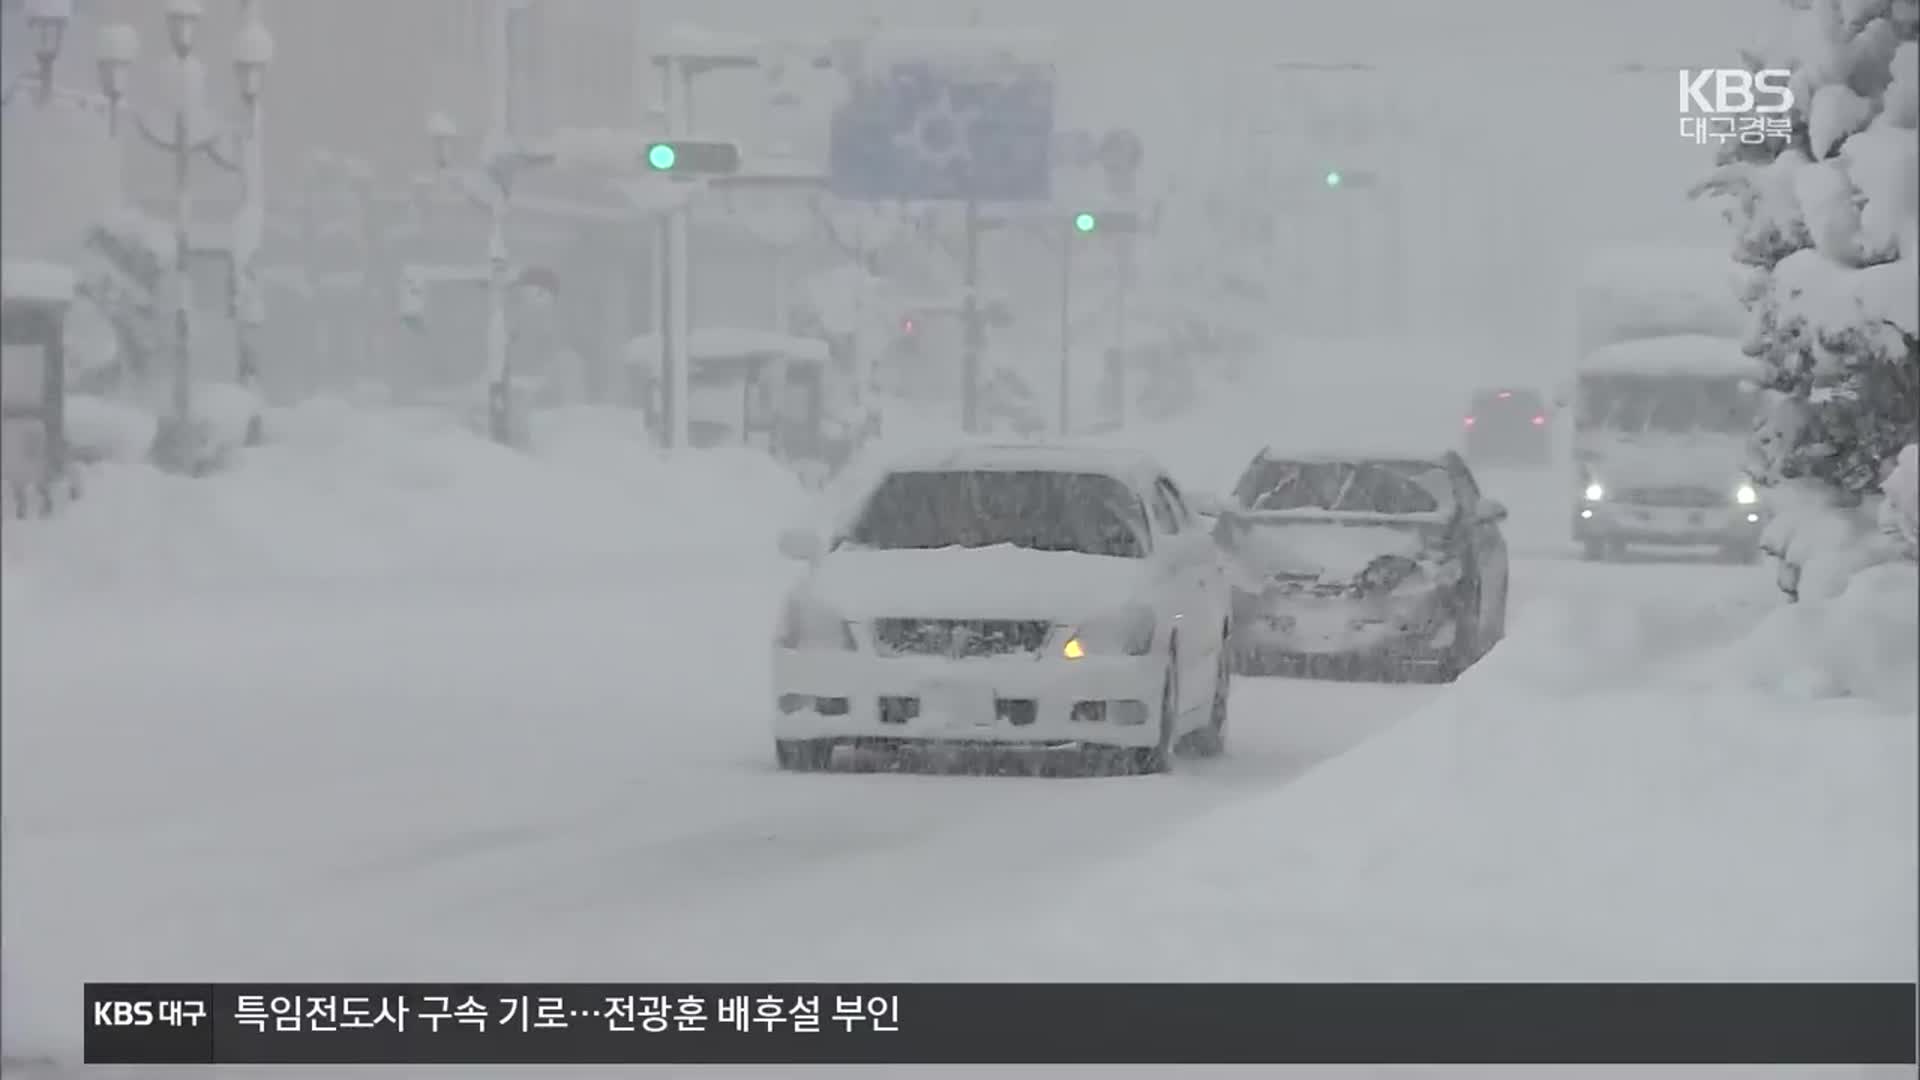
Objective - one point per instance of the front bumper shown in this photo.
(1305, 624)
(1045, 701)
(1724, 526)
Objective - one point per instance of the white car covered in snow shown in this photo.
(1383, 560)
(1007, 596)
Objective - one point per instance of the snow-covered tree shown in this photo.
(1827, 218)
(123, 282)
(1900, 512)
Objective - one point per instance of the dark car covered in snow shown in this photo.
(1389, 564)
(1508, 426)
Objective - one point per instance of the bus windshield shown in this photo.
(1665, 404)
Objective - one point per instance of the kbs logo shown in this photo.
(123, 1013)
(1724, 104)
(1730, 91)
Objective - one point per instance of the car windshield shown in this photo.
(1369, 487)
(1665, 404)
(1045, 511)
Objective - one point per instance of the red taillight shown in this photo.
(1469, 421)
(906, 326)
(1539, 421)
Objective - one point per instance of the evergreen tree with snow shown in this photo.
(1827, 219)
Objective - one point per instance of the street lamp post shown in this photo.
(193, 133)
(490, 187)
(47, 21)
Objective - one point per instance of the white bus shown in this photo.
(1663, 404)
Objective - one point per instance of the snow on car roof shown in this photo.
(25, 279)
(1675, 354)
(1384, 450)
(1133, 466)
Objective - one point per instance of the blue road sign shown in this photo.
(918, 133)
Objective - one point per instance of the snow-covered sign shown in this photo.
(959, 115)
(43, 282)
(1674, 354)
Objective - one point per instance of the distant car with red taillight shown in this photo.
(1508, 426)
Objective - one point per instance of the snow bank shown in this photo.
(104, 429)
(1821, 545)
(1612, 818)
(1863, 643)
(343, 493)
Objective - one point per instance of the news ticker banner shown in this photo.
(984, 1023)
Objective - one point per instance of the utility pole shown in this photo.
(686, 55)
(500, 418)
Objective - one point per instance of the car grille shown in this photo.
(1299, 585)
(1020, 712)
(959, 638)
(1678, 498)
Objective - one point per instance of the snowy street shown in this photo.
(497, 769)
(1313, 500)
(565, 772)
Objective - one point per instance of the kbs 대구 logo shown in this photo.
(1722, 104)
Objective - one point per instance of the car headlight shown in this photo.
(1746, 495)
(1386, 573)
(1595, 491)
(806, 625)
(1128, 632)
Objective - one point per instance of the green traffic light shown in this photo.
(1085, 222)
(1333, 179)
(661, 156)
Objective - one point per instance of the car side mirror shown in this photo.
(1491, 510)
(801, 545)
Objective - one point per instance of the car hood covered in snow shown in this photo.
(1618, 461)
(1331, 550)
(993, 582)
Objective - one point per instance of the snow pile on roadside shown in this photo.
(1643, 827)
(345, 493)
(1863, 643)
(107, 429)
(1821, 545)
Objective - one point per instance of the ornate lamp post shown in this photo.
(192, 132)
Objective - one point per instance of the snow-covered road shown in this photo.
(350, 777)
(562, 775)
(391, 705)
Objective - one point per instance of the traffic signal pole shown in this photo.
(1067, 240)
